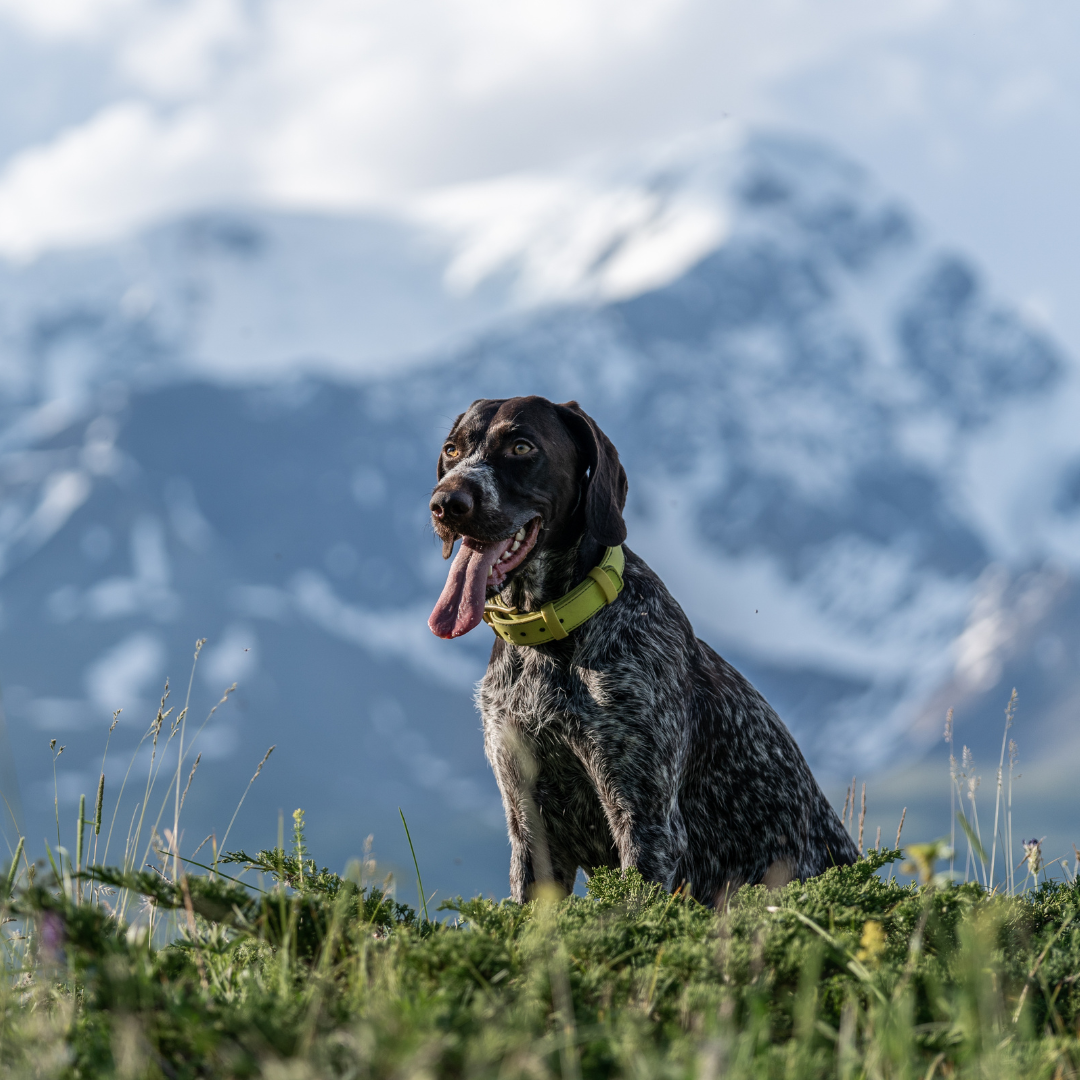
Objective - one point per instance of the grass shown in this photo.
(232, 964)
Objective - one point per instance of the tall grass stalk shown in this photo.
(151, 776)
(980, 850)
(80, 827)
(98, 802)
(421, 895)
(1010, 712)
(180, 760)
(232, 820)
(896, 846)
(952, 789)
(56, 790)
(974, 861)
(1013, 756)
(131, 846)
(132, 858)
(120, 794)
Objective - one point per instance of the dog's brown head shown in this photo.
(518, 477)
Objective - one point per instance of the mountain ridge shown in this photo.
(813, 412)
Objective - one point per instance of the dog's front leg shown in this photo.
(504, 753)
(522, 875)
(536, 854)
(639, 797)
(649, 836)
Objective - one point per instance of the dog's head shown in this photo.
(517, 477)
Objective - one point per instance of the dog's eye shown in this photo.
(450, 450)
(521, 447)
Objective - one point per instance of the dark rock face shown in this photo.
(969, 353)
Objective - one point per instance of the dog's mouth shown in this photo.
(479, 568)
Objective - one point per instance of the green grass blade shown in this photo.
(419, 882)
(972, 838)
(13, 873)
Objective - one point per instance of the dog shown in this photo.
(624, 741)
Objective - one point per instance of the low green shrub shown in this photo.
(314, 974)
(266, 965)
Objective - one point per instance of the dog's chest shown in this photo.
(533, 691)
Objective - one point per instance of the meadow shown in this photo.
(223, 963)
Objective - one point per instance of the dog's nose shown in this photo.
(451, 505)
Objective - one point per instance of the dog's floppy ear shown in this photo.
(605, 495)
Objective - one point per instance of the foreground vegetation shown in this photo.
(266, 965)
(318, 975)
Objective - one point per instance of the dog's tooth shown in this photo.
(515, 545)
(491, 571)
(520, 534)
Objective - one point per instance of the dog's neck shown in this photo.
(552, 573)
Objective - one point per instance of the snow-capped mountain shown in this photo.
(856, 469)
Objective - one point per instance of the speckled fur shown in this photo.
(632, 743)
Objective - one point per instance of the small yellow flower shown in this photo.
(922, 858)
(872, 944)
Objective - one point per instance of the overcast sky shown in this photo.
(115, 112)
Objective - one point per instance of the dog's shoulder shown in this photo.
(645, 616)
(647, 621)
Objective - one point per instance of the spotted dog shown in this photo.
(625, 741)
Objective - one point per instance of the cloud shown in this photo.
(66, 18)
(127, 111)
(339, 104)
(179, 50)
(121, 169)
(62, 494)
(122, 676)
(146, 591)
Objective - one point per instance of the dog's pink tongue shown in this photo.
(461, 605)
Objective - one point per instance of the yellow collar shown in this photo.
(555, 620)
